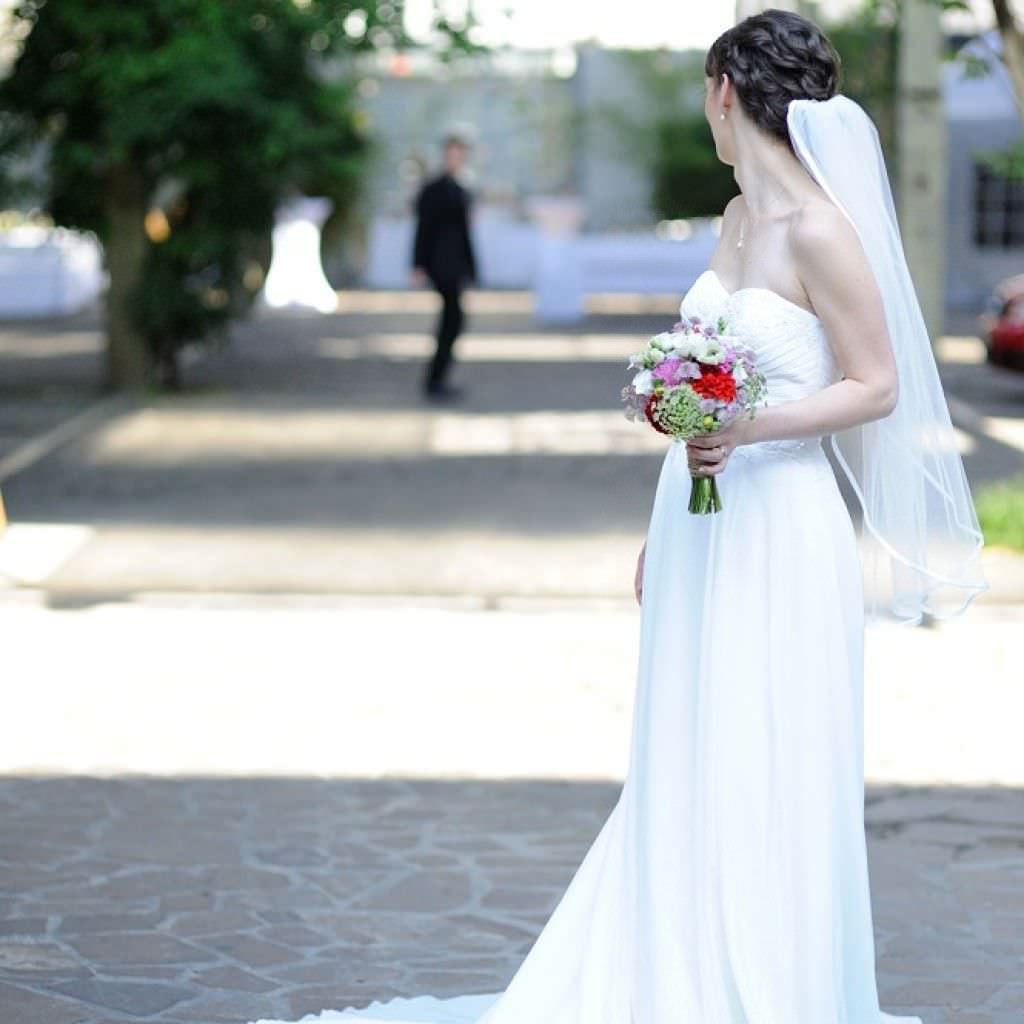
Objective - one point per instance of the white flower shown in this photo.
(739, 373)
(713, 352)
(698, 347)
(664, 341)
(643, 383)
(685, 346)
(658, 356)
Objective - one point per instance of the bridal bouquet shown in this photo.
(694, 379)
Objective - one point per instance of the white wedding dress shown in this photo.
(729, 885)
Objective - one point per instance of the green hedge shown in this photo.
(1001, 513)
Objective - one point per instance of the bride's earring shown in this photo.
(721, 117)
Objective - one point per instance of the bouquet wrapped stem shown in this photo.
(704, 496)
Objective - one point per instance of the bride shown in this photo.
(729, 885)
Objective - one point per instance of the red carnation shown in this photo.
(719, 386)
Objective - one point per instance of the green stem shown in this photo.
(704, 497)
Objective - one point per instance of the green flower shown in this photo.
(754, 388)
(678, 412)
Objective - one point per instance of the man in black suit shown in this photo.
(443, 255)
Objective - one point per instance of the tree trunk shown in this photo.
(1013, 48)
(127, 358)
(922, 149)
(166, 365)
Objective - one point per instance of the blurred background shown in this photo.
(315, 691)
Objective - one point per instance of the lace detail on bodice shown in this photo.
(790, 343)
(791, 348)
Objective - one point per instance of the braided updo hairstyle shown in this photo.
(772, 58)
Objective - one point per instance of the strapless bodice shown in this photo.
(792, 350)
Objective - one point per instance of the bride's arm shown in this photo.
(838, 279)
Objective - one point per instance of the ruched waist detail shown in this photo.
(803, 449)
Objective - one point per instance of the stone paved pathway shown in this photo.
(256, 880)
(224, 901)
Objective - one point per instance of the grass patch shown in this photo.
(1001, 513)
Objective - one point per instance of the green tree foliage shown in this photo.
(172, 128)
(1007, 162)
(688, 179)
(673, 141)
(868, 45)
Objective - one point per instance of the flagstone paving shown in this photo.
(214, 900)
(304, 464)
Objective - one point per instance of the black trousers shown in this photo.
(449, 326)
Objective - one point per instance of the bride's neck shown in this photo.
(771, 178)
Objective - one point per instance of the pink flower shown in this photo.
(668, 370)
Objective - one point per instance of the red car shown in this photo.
(1002, 328)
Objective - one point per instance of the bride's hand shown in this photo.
(638, 579)
(708, 454)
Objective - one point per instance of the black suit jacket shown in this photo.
(443, 247)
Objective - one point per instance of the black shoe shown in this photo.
(444, 393)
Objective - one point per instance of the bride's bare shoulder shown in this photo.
(820, 230)
(831, 261)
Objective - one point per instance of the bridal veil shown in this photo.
(922, 543)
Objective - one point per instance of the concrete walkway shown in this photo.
(303, 461)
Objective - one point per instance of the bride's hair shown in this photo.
(772, 58)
